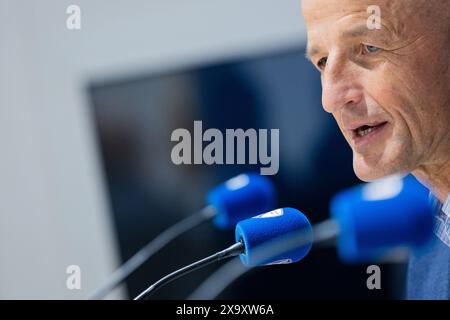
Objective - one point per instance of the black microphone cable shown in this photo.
(231, 251)
(284, 243)
(139, 258)
(324, 236)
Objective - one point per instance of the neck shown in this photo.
(435, 177)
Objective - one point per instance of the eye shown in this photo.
(370, 49)
(322, 63)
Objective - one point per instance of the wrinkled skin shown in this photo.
(395, 79)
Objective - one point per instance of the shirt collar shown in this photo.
(442, 218)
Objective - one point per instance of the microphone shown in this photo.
(376, 217)
(367, 222)
(258, 242)
(263, 229)
(238, 198)
(241, 197)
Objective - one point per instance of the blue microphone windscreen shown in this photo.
(241, 197)
(376, 217)
(259, 232)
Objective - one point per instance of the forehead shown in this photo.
(314, 10)
(334, 22)
(332, 15)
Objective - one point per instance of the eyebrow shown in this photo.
(358, 31)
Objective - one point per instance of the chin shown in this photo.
(369, 170)
(389, 156)
(367, 174)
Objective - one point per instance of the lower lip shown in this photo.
(370, 137)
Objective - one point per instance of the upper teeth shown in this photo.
(363, 131)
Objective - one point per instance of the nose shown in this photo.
(340, 84)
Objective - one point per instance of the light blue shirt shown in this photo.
(429, 272)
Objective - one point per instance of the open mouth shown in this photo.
(366, 130)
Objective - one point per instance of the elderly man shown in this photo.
(385, 75)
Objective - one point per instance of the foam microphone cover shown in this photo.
(264, 229)
(378, 216)
(241, 197)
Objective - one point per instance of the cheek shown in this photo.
(388, 91)
(410, 95)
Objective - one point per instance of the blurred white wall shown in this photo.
(53, 206)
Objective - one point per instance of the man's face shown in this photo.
(387, 88)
